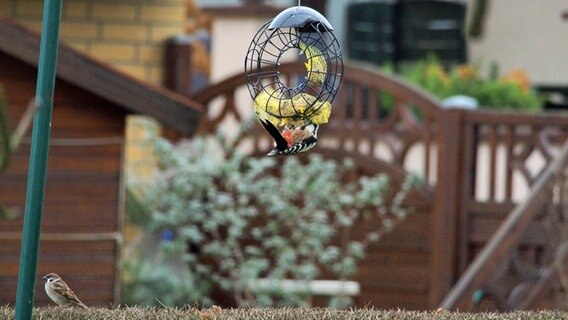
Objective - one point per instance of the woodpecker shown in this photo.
(292, 141)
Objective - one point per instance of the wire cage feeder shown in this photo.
(296, 33)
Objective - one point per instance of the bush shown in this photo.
(510, 91)
(224, 220)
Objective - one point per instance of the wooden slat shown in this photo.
(482, 229)
(510, 144)
(397, 257)
(374, 109)
(499, 117)
(356, 134)
(60, 163)
(410, 235)
(72, 216)
(63, 189)
(500, 209)
(444, 223)
(79, 251)
(427, 143)
(61, 176)
(340, 115)
(408, 278)
(492, 141)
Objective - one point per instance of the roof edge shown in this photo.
(170, 108)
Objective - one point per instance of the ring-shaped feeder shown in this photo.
(294, 33)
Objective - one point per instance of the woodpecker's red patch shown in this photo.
(288, 136)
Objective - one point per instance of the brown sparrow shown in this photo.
(60, 292)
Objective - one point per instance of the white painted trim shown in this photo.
(315, 287)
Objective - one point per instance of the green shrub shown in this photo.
(225, 220)
(511, 91)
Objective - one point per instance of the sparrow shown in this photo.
(60, 292)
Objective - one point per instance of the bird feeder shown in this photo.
(297, 33)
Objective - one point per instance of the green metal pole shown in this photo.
(38, 158)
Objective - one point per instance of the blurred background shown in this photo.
(450, 116)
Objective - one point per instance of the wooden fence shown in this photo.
(477, 166)
(504, 161)
(540, 266)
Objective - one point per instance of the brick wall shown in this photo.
(128, 34)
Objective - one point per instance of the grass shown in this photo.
(135, 313)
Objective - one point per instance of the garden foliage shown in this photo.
(219, 221)
(510, 91)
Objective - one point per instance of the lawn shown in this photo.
(275, 314)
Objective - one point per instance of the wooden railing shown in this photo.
(374, 116)
(546, 205)
(504, 155)
(478, 165)
(517, 148)
(491, 160)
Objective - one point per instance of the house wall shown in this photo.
(228, 47)
(82, 209)
(128, 34)
(526, 34)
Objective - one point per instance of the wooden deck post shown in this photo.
(448, 196)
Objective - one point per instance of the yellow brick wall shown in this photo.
(141, 157)
(140, 161)
(128, 34)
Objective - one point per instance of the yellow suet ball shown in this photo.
(316, 66)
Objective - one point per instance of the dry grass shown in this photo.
(275, 314)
